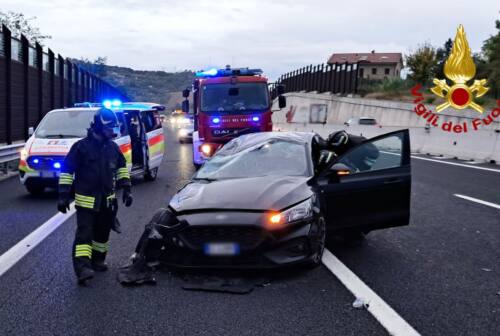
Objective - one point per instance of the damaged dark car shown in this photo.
(268, 200)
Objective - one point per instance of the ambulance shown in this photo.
(141, 140)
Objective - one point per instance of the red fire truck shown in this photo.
(228, 103)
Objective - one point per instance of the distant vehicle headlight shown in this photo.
(300, 211)
(185, 121)
(183, 132)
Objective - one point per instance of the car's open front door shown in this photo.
(369, 186)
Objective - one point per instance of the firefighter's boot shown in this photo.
(84, 275)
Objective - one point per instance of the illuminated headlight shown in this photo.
(185, 121)
(23, 154)
(298, 212)
(183, 133)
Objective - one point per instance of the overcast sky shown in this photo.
(275, 35)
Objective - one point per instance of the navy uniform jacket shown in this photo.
(93, 166)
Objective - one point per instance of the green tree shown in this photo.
(20, 24)
(441, 56)
(422, 64)
(491, 55)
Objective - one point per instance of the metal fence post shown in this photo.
(70, 82)
(25, 46)
(61, 80)
(356, 78)
(52, 80)
(39, 68)
(7, 39)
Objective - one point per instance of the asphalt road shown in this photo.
(441, 273)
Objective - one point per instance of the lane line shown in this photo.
(18, 251)
(477, 200)
(456, 164)
(384, 314)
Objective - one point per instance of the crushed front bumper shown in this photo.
(257, 246)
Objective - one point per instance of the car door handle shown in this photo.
(393, 180)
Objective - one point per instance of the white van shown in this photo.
(141, 142)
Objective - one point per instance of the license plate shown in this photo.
(49, 174)
(221, 249)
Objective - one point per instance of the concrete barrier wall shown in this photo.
(482, 145)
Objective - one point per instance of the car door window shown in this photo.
(375, 155)
(148, 120)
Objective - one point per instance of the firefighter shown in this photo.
(94, 166)
(340, 142)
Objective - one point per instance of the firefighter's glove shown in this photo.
(63, 204)
(127, 196)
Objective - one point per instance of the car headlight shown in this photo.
(300, 211)
(183, 132)
(23, 154)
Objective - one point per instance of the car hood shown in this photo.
(252, 193)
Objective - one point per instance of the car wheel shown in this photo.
(318, 245)
(151, 174)
(35, 190)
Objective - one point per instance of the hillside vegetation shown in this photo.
(150, 86)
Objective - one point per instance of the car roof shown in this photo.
(75, 109)
(138, 106)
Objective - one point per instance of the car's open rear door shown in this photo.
(375, 191)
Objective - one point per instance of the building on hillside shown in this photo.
(372, 65)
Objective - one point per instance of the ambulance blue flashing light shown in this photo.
(111, 103)
(216, 120)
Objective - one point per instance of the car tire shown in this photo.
(319, 244)
(35, 190)
(151, 174)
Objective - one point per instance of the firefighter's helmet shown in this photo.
(105, 119)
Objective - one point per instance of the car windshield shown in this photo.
(271, 157)
(65, 124)
(234, 98)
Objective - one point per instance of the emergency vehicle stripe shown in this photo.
(83, 250)
(84, 201)
(65, 178)
(100, 247)
(122, 173)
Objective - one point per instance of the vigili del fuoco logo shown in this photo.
(459, 69)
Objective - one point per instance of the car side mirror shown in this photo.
(281, 102)
(185, 93)
(31, 130)
(185, 106)
(340, 169)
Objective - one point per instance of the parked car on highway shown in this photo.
(361, 121)
(261, 200)
(141, 142)
(185, 133)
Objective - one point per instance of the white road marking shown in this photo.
(456, 164)
(386, 316)
(472, 199)
(18, 251)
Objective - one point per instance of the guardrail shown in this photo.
(9, 153)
